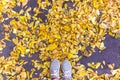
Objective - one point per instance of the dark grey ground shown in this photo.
(111, 54)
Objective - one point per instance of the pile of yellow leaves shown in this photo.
(64, 32)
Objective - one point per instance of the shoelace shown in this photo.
(67, 74)
(55, 74)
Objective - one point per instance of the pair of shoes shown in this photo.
(66, 69)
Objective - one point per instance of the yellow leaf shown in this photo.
(51, 46)
(82, 73)
(66, 28)
(24, 2)
(57, 36)
(70, 55)
(93, 65)
(101, 31)
(22, 18)
(18, 69)
(95, 4)
(1, 77)
(42, 27)
(51, 40)
(22, 49)
(93, 20)
(73, 51)
(15, 40)
(102, 46)
(23, 75)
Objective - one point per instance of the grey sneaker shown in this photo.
(54, 69)
(67, 70)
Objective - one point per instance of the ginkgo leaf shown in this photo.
(22, 18)
(70, 56)
(57, 36)
(102, 46)
(23, 75)
(94, 65)
(66, 28)
(51, 46)
(15, 40)
(95, 4)
(1, 77)
(22, 49)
